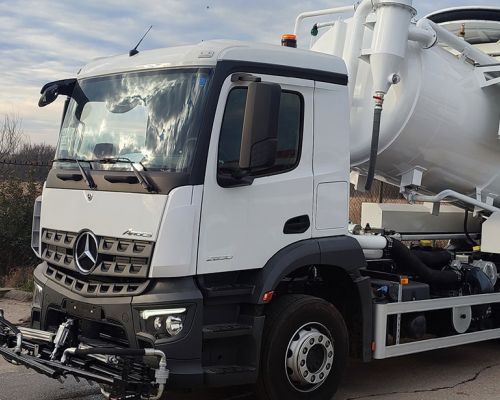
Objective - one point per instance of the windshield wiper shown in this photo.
(140, 177)
(86, 177)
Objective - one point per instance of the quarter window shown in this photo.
(289, 132)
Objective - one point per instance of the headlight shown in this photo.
(37, 296)
(165, 322)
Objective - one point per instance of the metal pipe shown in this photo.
(371, 242)
(320, 25)
(431, 236)
(29, 333)
(373, 254)
(427, 38)
(356, 41)
(456, 42)
(414, 197)
(326, 11)
(66, 352)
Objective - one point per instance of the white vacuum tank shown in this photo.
(438, 117)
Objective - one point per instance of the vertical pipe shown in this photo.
(339, 33)
(357, 31)
(388, 50)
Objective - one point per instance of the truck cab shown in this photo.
(152, 233)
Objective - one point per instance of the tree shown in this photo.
(11, 135)
(18, 157)
(36, 159)
(16, 214)
(23, 166)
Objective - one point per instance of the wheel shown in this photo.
(304, 350)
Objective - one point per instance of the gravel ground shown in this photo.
(16, 311)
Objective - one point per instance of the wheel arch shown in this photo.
(337, 261)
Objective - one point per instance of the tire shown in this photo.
(292, 322)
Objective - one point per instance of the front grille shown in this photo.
(94, 288)
(122, 265)
(124, 258)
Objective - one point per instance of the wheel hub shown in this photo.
(309, 357)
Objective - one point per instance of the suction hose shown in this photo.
(405, 259)
(377, 113)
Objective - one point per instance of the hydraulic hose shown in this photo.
(102, 351)
(377, 113)
(471, 241)
(110, 351)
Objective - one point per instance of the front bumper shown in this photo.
(116, 321)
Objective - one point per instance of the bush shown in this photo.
(16, 213)
(19, 278)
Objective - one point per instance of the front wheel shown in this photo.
(304, 350)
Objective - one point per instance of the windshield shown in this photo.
(151, 118)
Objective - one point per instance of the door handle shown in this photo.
(296, 225)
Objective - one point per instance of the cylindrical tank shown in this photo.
(438, 117)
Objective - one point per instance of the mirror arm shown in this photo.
(235, 179)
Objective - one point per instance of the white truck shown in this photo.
(194, 228)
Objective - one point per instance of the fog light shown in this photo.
(164, 322)
(173, 325)
(158, 323)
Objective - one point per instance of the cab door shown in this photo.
(242, 227)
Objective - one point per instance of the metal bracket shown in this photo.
(358, 180)
(436, 208)
(482, 74)
(479, 197)
(411, 179)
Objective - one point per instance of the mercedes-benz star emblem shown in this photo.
(86, 252)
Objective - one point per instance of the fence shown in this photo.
(23, 170)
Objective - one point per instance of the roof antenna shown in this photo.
(134, 51)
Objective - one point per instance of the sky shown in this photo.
(43, 41)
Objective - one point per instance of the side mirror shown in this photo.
(260, 126)
(51, 90)
(48, 96)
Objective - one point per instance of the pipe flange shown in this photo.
(406, 4)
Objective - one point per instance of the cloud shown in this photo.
(43, 40)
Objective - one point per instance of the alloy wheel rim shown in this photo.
(309, 357)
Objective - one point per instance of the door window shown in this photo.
(289, 132)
